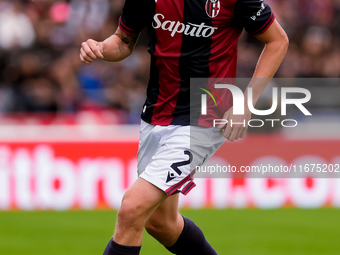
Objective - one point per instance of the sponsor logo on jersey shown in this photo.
(189, 29)
(212, 8)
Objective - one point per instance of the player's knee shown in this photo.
(130, 212)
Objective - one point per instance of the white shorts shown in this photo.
(168, 155)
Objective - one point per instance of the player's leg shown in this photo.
(178, 234)
(141, 199)
(165, 224)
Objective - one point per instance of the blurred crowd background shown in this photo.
(40, 71)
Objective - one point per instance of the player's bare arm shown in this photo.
(276, 45)
(115, 48)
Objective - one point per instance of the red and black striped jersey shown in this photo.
(189, 39)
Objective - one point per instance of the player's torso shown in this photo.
(193, 39)
(188, 39)
(188, 27)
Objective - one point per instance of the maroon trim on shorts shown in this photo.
(188, 187)
(176, 186)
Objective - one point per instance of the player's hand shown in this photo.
(91, 50)
(235, 131)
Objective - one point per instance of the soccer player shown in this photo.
(188, 38)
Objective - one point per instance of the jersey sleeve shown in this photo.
(133, 18)
(254, 16)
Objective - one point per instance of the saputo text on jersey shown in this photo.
(178, 27)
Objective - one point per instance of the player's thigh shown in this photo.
(141, 199)
(168, 209)
(165, 216)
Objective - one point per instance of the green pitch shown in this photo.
(231, 232)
